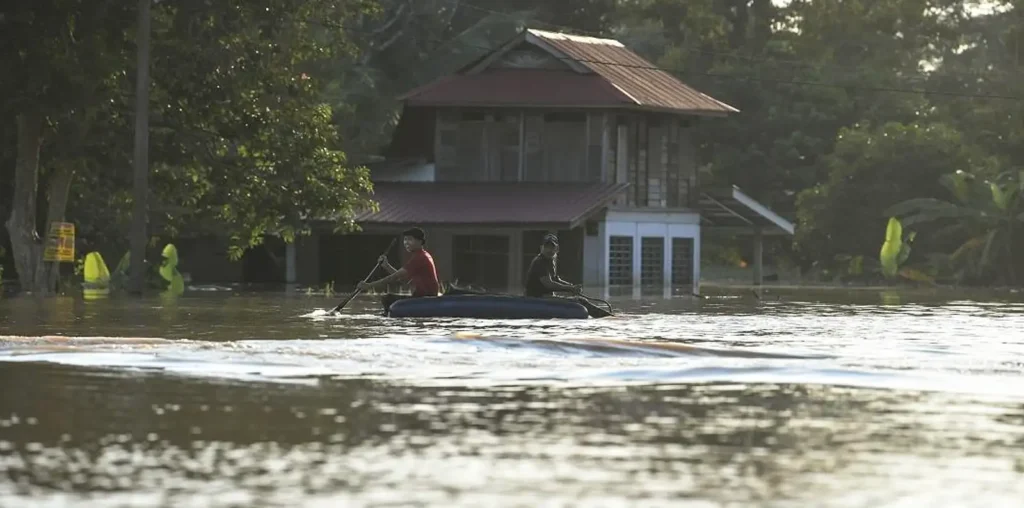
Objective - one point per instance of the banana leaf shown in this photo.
(989, 251)
(967, 188)
(922, 210)
(958, 184)
(890, 253)
(1002, 198)
(904, 253)
(965, 249)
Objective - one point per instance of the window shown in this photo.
(652, 261)
(620, 261)
(682, 261)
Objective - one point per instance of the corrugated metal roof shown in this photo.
(620, 78)
(520, 87)
(729, 208)
(641, 80)
(492, 204)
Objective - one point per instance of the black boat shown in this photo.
(495, 306)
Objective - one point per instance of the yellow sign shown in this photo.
(60, 243)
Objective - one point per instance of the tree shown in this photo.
(63, 60)
(242, 145)
(871, 169)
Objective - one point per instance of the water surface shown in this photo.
(795, 398)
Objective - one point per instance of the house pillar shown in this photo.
(439, 244)
(606, 257)
(758, 256)
(696, 261)
(637, 255)
(666, 261)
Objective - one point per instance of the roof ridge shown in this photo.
(582, 39)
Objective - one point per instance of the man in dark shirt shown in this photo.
(542, 278)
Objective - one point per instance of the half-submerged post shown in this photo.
(758, 256)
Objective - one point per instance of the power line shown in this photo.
(571, 30)
(766, 80)
(729, 54)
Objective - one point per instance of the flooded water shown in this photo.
(795, 398)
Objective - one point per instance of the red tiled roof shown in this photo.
(620, 78)
(520, 87)
(491, 204)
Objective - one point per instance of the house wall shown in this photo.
(654, 152)
(656, 155)
(307, 260)
(206, 261)
(638, 225)
(440, 244)
(594, 256)
(585, 255)
(347, 257)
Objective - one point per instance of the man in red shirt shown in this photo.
(419, 270)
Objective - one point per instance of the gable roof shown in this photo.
(602, 68)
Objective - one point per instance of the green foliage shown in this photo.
(896, 248)
(241, 143)
(263, 111)
(870, 170)
(983, 220)
(891, 248)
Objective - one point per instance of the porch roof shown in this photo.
(730, 209)
(549, 205)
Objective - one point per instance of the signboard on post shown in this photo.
(60, 243)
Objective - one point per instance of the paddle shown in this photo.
(357, 291)
(592, 309)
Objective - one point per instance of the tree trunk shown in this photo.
(764, 18)
(26, 246)
(59, 187)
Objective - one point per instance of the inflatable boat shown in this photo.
(492, 307)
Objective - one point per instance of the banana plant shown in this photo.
(984, 215)
(896, 251)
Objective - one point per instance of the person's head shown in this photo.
(549, 245)
(413, 239)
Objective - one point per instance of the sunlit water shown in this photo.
(793, 399)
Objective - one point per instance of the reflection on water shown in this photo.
(127, 440)
(770, 399)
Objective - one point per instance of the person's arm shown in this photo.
(555, 277)
(383, 260)
(556, 285)
(399, 274)
(552, 281)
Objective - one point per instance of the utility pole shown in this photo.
(140, 200)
